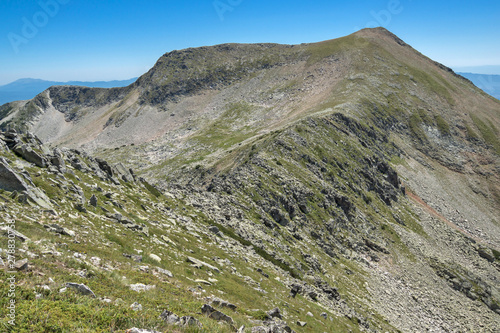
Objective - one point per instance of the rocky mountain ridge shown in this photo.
(354, 179)
(24, 89)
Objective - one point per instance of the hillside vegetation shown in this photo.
(346, 185)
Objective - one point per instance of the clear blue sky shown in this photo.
(118, 39)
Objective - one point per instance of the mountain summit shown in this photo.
(354, 179)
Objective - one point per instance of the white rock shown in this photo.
(164, 272)
(96, 261)
(141, 287)
(154, 257)
(136, 306)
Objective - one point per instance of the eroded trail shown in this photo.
(432, 211)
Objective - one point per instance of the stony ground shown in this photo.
(348, 185)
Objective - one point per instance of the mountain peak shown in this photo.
(380, 33)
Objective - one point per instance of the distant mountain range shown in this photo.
(488, 83)
(23, 89)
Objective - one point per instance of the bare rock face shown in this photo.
(57, 160)
(124, 173)
(11, 180)
(30, 155)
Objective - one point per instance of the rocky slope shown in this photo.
(354, 184)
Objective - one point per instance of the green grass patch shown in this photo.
(470, 133)
(430, 83)
(415, 124)
(153, 190)
(442, 125)
(488, 131)
(496, 254)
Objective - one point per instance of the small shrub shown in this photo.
(153, 190)
(496, 254)
(260, 315)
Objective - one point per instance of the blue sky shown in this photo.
(92, 40)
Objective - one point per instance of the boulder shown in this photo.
(223, 304)
(216, 315)
(275, 313)
(78, 164)
(30, 155)
(80, 207)
(21, 265)
(134, 257)
(123, 173)
(172, 319)
(279, 216)
(139, 330)
(200, 263)
(141, 287)
(3, 146)
(189, 321)
(313, 295)
(81, 288)
(296, 289)
(154, 257)
(213, 229)
(7, 230)
(104, 166)
(59, 230)
(486, 253)
(272, 327)
(9, 179)
(93, 200)
(57, 160)
(34, 196)
(164, 272)
(203, 282)
(11, 138)
(169, 317)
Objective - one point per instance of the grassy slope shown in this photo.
(55, 260)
